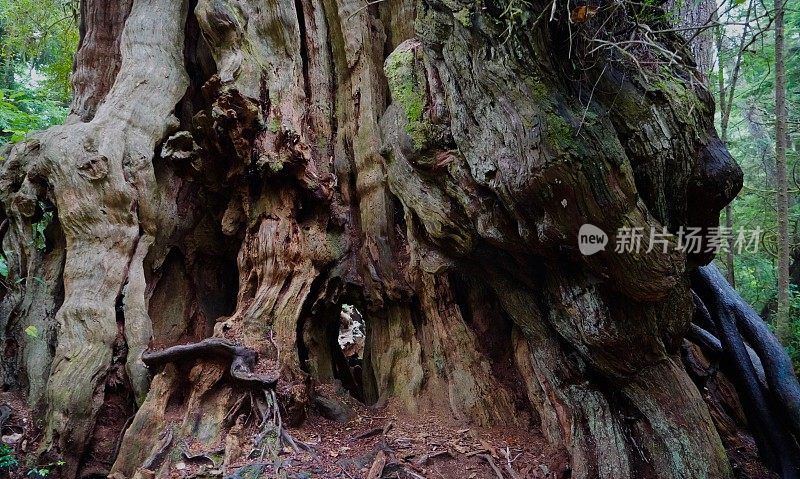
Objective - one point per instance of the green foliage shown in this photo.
(42, 35)
(39, 228)
(44, 471)
(24, 110)
(751, 140)
(408, 90)
(7, 458)
(38, 39)
(516, 15)
(3, 266)
(793, 348)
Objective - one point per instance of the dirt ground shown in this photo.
(387, 442)
(384, 443)
(374, 443)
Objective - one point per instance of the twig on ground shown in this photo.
(476, 452)
(493, 465)
(378, 464)
(368, 434)
(509, 469)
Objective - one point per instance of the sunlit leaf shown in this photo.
(32, 331)
(583, 13)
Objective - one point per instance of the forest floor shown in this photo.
(387, 442)
(356, 441)
(371, 443)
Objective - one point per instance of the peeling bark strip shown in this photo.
(423, 160)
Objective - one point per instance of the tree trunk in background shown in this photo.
(725, 111)
(783, 323)
(730, 272)
(765, 147)
(693, 18)
(239, 170)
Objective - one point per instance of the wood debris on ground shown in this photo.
(365, 443)
(388, 443)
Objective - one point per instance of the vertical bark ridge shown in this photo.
(101, 176)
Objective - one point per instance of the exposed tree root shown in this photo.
(771, 404)
(711, 343)
(243, 360)
(272, 436)
(704, 339)
(702, 317)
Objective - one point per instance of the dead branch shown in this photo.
(493, 465)
(368, 434)
(377, 466)
(476, 452)
(509, 468)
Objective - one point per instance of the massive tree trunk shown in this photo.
(237, 170)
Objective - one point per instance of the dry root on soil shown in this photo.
(272, 436)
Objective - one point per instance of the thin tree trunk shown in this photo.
(726, 105)
(724, 116)
(730, 272)
(783, 323)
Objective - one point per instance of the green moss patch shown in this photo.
(407, 87)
